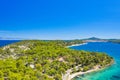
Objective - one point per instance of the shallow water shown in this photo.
(110, 73)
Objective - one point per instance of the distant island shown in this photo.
(114, 40)
(48, 60)
(95, 39)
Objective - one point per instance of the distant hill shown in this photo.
(94, 39)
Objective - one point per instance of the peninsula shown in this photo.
(47, 60)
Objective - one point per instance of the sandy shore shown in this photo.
(69, 76)
(77, 45)
(81, 73)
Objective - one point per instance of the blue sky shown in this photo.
(59, 19)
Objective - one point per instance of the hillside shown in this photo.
(46, 60)
(94, 39)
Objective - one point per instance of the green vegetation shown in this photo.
(45, 60)
(114, 40)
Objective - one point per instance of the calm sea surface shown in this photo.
(6, 42)
(110, 73)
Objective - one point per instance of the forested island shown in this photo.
(46, 60)
(114, 40)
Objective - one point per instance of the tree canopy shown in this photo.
(45, 60)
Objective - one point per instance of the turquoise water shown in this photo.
(110, 73)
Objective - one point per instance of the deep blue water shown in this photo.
(6, 42)
(110, 73)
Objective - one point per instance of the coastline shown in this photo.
(71, 76)
(76, 45)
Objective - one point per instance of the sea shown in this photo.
(110, 73)
(6, 42)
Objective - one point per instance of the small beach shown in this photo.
(69, 76)
(108, 73)
(76, 45)
(89, 71)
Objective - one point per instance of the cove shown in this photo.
(110, 73)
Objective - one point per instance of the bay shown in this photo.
(110, 73)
